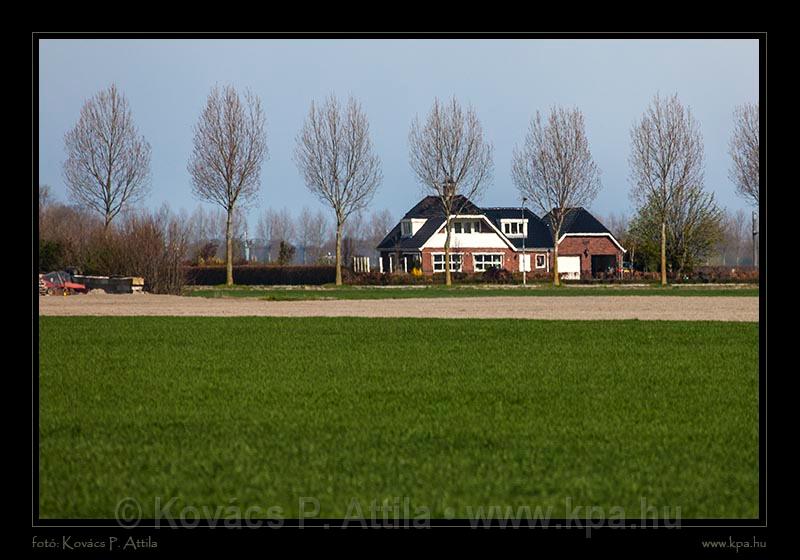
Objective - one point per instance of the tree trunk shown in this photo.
(663, 253)
(229, 249)
(556, 279)
(338, 253)
(447, 279)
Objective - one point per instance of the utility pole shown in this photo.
(524, 235)
(755, 236)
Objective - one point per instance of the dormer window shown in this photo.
(410, 226)
(466, 226)
(515, 228)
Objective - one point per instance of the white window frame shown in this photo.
(483, 265)
(522, 231)
(544, 260)
(406, 228)
(452, 268)
(465, 227)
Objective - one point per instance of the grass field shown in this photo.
(399, 292)
(261, 411)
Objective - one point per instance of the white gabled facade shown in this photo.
(488, 238)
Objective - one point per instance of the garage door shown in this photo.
(569, 268)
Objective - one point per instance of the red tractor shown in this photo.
(59, 283)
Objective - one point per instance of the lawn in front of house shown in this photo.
(455, 415)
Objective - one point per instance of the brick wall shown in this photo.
(585, 247)
(510, 259)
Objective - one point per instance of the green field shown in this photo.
(400, 292)
(452, 414)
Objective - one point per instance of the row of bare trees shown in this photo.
(308, 235)
(554, 169)
(107, 166)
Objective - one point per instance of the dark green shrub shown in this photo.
(495, 275)
(285, 253)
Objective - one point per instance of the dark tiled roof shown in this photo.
(538, 232)
(431, 206)
(579, 220)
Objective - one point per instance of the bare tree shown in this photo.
(740, 231)
(353, 236)
(312, 233)
(108, 162)
(335, 156)
(617, 224)
(451, 160)
(380, 223)
(666, 158)
(45, 201)
(276, 227)
(230, 147)
(206, 231)
(319, 234)
(304, 231)
(45, 197)
(735, 226)
(744, 151)
(555, 170)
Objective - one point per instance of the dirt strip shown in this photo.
(676, 308)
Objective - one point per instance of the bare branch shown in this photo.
(744, 151)
(554, 167)
(108, 162)
(229, 149)
(666, 161)
(451, 159)
(555, 170)
(334, 154)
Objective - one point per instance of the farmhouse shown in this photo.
(503, 237)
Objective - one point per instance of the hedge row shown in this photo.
(271, 275)
(263, 275)
(722, 274)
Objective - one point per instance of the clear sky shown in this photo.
(612, 81)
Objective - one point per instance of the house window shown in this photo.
(405, 228)
(464, 226)
(515, 228)
(455, 262)
(540, 261)
(483, 261)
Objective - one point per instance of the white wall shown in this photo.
(488, 240)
